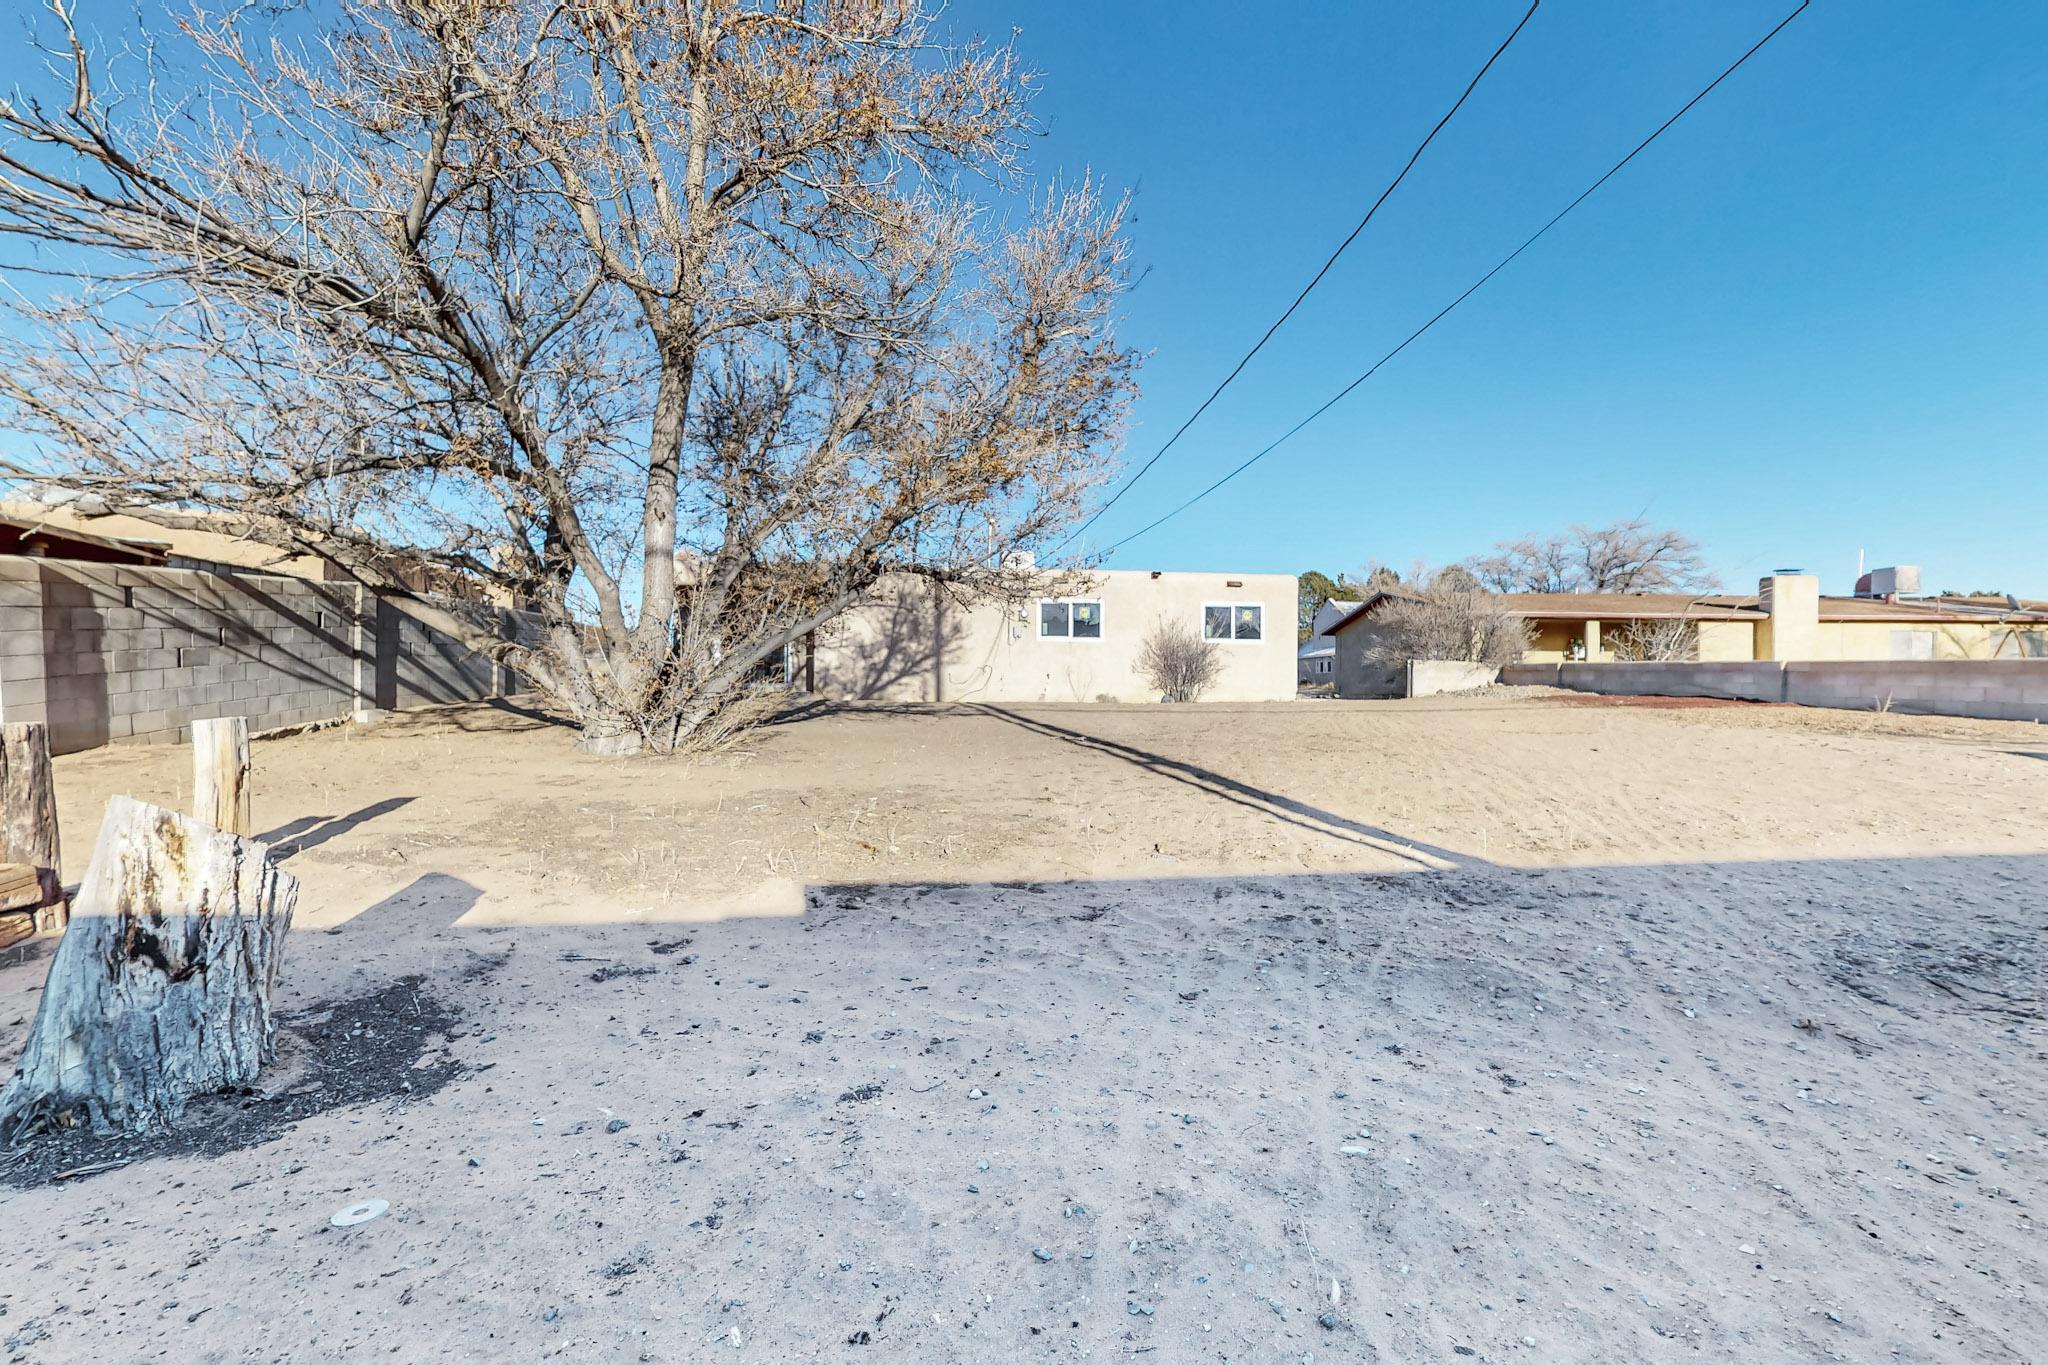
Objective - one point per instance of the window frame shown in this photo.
(1070, 603)
(1233, 638)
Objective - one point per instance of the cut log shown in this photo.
(28, 808)
(161, 988)
(21, 887)
(16, 927)
(220, 773)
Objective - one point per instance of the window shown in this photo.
(1233, 621)
(1074, 619)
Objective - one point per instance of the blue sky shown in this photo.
(1811, 319)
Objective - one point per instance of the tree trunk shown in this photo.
(28, 813)
(161, 988)
(220, 774)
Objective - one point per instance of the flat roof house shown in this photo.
(909, 642)
(1787, 620)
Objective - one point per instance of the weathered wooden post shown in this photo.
(28, 820)
(162, 986)
(220, 774)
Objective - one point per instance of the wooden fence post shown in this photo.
(28, 815)
(220, 774)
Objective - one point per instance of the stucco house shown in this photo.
(1316, 660)
(1788, 619)
(910, 642)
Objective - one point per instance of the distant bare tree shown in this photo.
(1628, 556)
(1662, 640)
(1176, 659)
(1382, 578)
(1446, 624)
(1530, 565)
(1455, 578)
(685, 321)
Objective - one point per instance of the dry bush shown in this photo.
(738, 714)
(1666, 641)
(1179, 662)
(1472, 627)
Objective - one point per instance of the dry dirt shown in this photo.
(1483, 1027)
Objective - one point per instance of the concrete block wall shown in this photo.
(1990, 689)
(109, 654)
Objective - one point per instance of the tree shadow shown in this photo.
(890, 651)
(427, 904)
(1284, 809)
(311, 831)
(818, 708)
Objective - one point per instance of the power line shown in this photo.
(1413, 157)
(1584, 195)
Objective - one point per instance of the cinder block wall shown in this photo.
(110, 654)
(1990, 689)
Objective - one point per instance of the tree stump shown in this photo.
(28, 810)
(161, 988)
(220, 774)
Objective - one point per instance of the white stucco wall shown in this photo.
(905, 645)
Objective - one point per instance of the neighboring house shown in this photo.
(910, 643)
(31, 538)
(1316, 660)
(61, 530)
(182, 547)
(1788, 619)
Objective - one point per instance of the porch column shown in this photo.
(1592, 642)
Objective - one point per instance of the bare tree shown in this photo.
(1447, 624)
(1669, 639)
(1455, 578)
(683, 320)
(1175, 659)
(1628, 556)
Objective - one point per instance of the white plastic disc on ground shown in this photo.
(359, 1213)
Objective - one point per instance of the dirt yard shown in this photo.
(1496, 1027)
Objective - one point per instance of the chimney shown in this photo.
(1791, 625)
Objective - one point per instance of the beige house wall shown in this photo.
(1550, 642)
(1357, 674)
(1854, 640)
(1727, 641)
(908, 644)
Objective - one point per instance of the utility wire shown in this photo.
(1344, 392)
(1392, 185)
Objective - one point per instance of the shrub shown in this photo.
(1440, 623)
(1179, 662)
(1656, 641)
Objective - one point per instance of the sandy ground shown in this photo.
(1482, 1027)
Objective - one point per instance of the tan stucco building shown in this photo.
(179, 547)
(911, 643)
(1788, 620)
